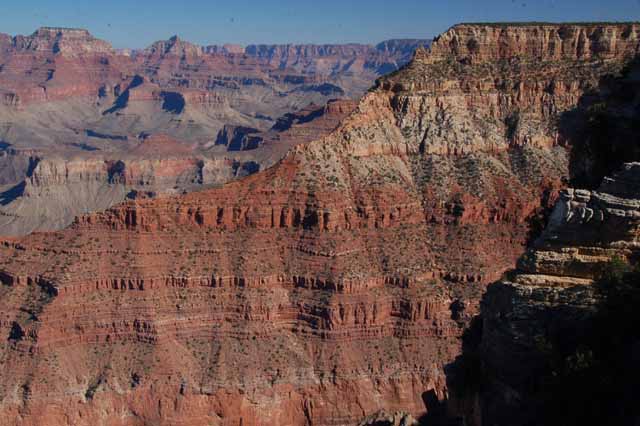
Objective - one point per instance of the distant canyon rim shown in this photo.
(84, 126)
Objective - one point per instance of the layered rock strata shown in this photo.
(510, 88)
(319, 291)
(67, 97)
(57, 189)
(60, 63)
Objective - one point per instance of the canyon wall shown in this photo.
(539, 42)
(69, 98)
(318, 291)
(54, 189)
(70, 62)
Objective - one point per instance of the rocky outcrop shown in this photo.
(237, 138)
(175, 47)
(69, 42)
(54, 64)
(385, 419)
(553, 294)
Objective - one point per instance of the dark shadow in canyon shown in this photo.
(603, 131)
(98, 135)
(239, 138)
(537, 222)
(580, 370)
(122, 100)
(464, 380)
(173, 102)
(287, 121)
(8, 196)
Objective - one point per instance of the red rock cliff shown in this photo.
(334, 284)
(539, 42)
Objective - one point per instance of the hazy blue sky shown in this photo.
(137, 23)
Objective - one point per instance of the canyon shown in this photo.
(339, 281)
(70, 102)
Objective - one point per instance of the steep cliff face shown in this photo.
(538, 42)
(549, 304)
(332, 285)
(510, 90)
(54, 191)
(54, 64)
(14, 165)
